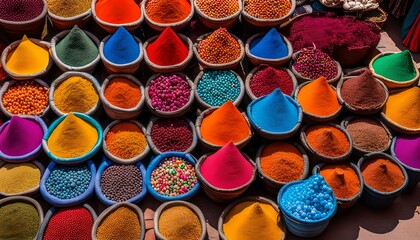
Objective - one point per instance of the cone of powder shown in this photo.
(168, 49)
(270, 46)
(21, 136)
(275, 113)
(121, 47)
(342, 179)
(397, 66)
(227, 168)
(363, 92)
(407, 150)
(318, 98)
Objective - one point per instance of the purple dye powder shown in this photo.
(407, 150)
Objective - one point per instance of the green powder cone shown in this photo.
(76, 49)
(398, 66)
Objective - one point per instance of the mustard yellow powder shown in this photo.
(68, 8)
(18, 178)
(404, 108)
(122, 223)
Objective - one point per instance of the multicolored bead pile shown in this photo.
(68, 182)
(218, 86)
(173, 176)
(313, 63)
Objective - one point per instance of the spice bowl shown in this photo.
(275, 135)
(129, 68)
(30, 192)
(98, 187)
(31, 155)
(89, 68)
(375, 198)
(224, 195)
(205, 105)
(316, 156)
(179, 112)
(62, 78)
(75, 160)
(214, 23)
(258, 199)
(229, 65)
(111, 27)
(412, 173)
(103, 216)
(155, 148)
(251, 74)
(210, 146)
(272, 185)
(188, 158)
(188, 205)
(171, 68)
(176, 26)
(257, 22)
(52, 211)
(63, 23)
(259, 60)
(17, 76)
(10, 83)
(117, 159)
(354, 109)
(345, 203)
(389, 82)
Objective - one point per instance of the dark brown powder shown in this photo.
(368, 134)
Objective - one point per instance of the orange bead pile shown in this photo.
(26, 98)
(219, 47)
(218, 8)
(267, 9)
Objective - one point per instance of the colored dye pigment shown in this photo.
(368, 135)
(271, 46)
(121, 223)
(168, 49)
(166, 12)
(267, 9)
(20, 10)
(274, 113)
(218, 86)
(123, 93)
(126, 140)
(403, 107)
(121, 47)
(227, 168)
(225, 124)
(67, 182)
(407, 150)
(76, 49)
(174, 134)
(343, 180)
(327, 140)
(20, 136)
(397, 66)
(19, 178)
(179, 222)
(313, 63)
(118, 11)
(120, 183)
(219, 47)
(266, 79)
(382, 175)
(18, 220)
(68, 8)
(218, 8)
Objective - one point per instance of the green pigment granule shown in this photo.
(398, 66)
(18, 221)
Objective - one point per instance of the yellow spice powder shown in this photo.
(18, 178)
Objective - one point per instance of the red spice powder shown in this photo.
(265, 80)
(164, 11)
(3, 74)
(327, 140)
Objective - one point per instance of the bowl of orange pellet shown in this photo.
(24, 98)
(218, 13)
(267, 13)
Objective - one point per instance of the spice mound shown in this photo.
(267, 78)
(166, 12)
(368, 135)
(403, 107)
(382, 175)
(270, 46)
(121, 47)
(407, 150)
(219, 47)
(327, 140)
(218, 8)
(121, 223)
(397, 66)
(126, 140)
(118, 11)
(68, 8)
(18, 220)
(343, 180)
(123, 93)
(179, 222)
(19, 178)
(267, 9)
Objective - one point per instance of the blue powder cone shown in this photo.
(121, 47)
(270, 46)
(275, 113)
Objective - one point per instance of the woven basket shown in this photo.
(29, 192)
(17, 76)
(168, 205)
(62, 78)
(355, 109)
(176, 26)
(380, 23)
(153, 146)
(211, 146)
(115, 112)
(51, 212)
(344, 203)
(111, 27)
(314, 118)
(89, 68)
(129, 68)
(258, 68)
(172, 68)
(215, 23)
(32, 28)
(358, 151)
(64, 23)
(229, 65)
(224, 195)
(259, 199)
(119, 160)
(7, 85)
(111, 209)
(272, 185)
(31, 155)
(318, 157)
(268, 22)
(259, 60)
(389, 82)
(58, 202)
(176, 113)
(204, 104)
